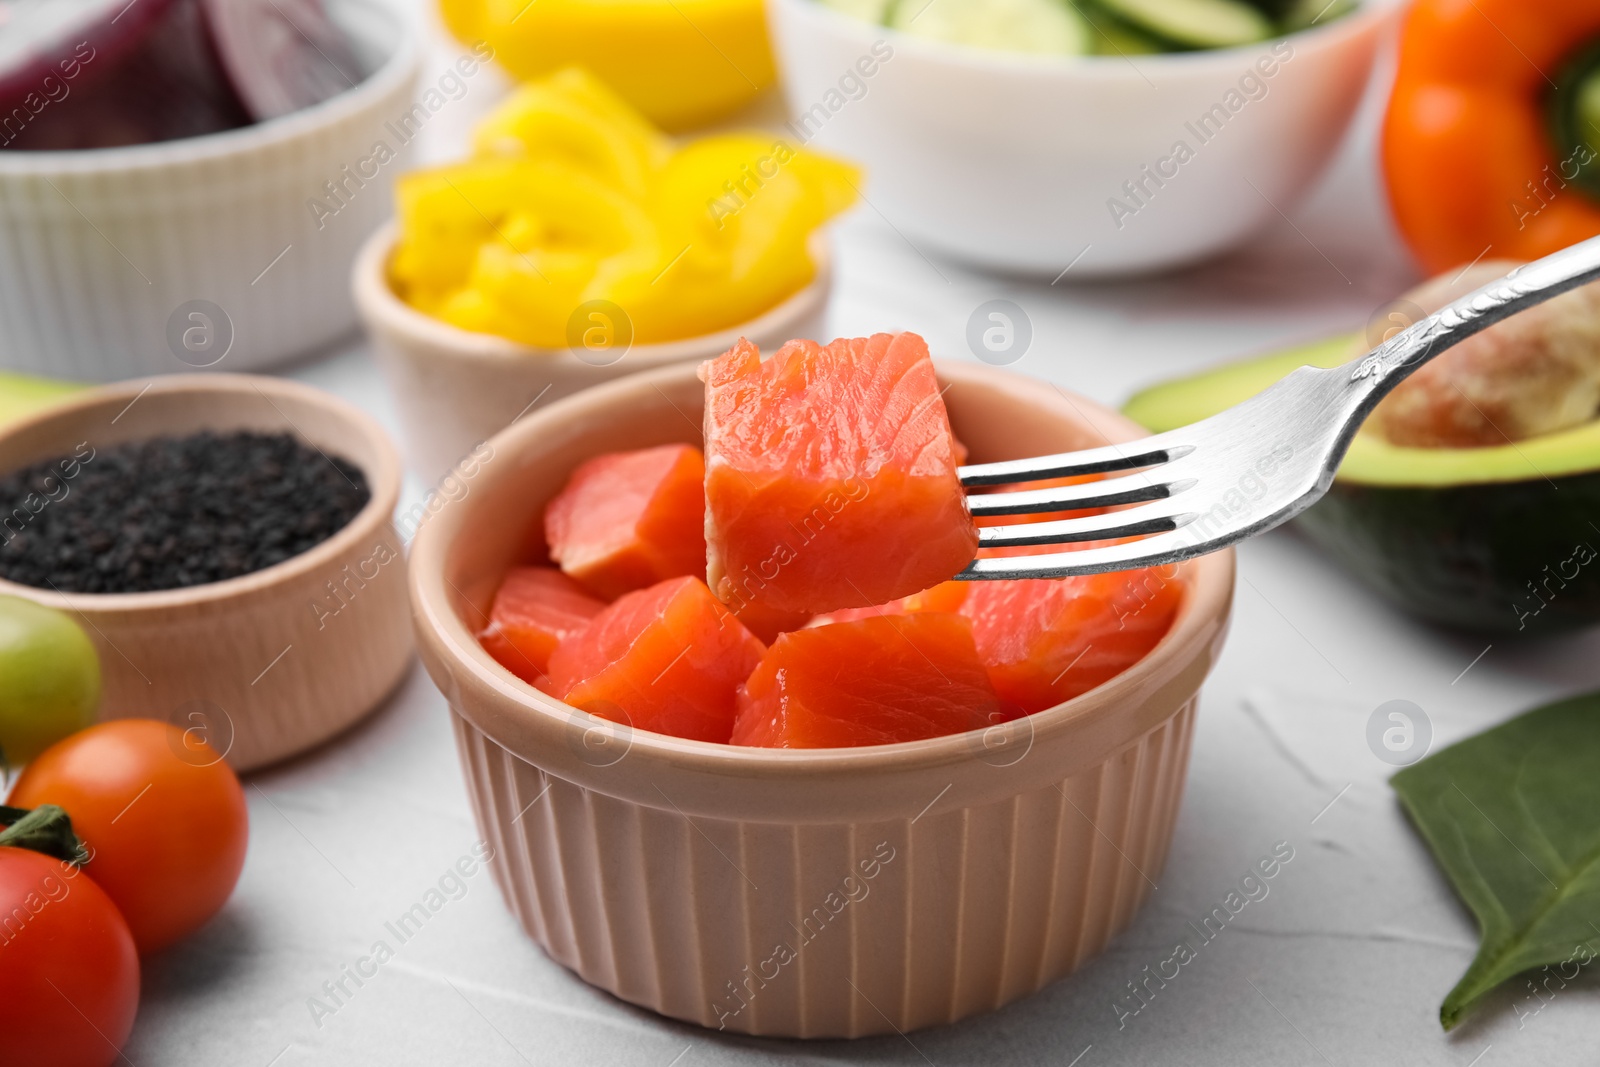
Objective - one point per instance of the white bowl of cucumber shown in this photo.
(1114, 136)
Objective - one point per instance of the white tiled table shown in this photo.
(1344, 962)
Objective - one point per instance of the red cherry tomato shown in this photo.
(163, 818)
(69, 974)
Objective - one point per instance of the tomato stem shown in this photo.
(46, 829)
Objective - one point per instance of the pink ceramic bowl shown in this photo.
(807, 893)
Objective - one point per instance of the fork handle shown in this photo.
(1532, 283)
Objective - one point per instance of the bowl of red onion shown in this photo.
(184, 184)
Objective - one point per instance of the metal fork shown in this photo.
(1240, 473)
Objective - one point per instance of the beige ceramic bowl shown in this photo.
(268, 664)
(455, 389)
(807, 893)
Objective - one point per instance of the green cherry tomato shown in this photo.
(49, 679)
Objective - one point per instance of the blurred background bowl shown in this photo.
(455, 389)
(168, 257)
(1012, 162)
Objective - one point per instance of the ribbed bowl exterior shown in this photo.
(974, 906)
(101, 249)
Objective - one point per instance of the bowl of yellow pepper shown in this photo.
(577, 244)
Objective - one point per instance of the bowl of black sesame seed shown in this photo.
(228, 543)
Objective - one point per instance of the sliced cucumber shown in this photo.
(1304, 14)
(1196, 23)
(1587, 105)
(1574, 119)
(1110, 36)
(1275, 9)
(873, 11)
(1046, 26)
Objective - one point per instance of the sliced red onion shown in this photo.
(67, 41)
(280, 55)
(170, 86)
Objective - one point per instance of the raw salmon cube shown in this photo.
(830, 475)
(946, 596)
(1048, 640)
(669, 658)
(626, 520)
(767, 622)
(871, 682)
(534, 610)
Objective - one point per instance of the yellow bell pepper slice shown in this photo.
(572, 117)
(680, 63)
(573, 197)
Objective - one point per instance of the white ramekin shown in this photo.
(208, 251)
(1014, 162)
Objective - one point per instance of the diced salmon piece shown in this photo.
(626, 520)
(1048, 640)
(946, 596)
(830, 475)
(871, 682)
(534, 610)
(877, 611)
(669, 658)
(767, 622)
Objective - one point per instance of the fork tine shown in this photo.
(1133, 522)
(1150, 452)
(1148, 552)
(1128, 489)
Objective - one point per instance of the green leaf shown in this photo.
(1513, 817)
(46, 829)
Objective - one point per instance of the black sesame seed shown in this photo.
(172, 512)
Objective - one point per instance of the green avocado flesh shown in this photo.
(1371, 460)
(23, 394)
(1494, 540)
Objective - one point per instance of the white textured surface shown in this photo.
(1343, 963)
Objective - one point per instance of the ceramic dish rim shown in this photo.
(1370, 14)
(383, 475)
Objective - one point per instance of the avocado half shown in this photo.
(1495, 540)
(23, 394)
